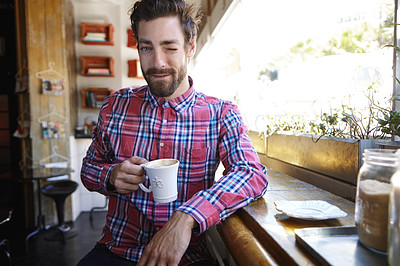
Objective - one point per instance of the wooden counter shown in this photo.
(260, 235)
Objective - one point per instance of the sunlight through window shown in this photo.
(299, 58)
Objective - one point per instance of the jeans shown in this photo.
(101, 256)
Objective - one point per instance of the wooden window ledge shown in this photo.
(255, 235)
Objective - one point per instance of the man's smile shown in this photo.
(160, 75)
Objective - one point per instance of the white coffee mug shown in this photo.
(163, 176)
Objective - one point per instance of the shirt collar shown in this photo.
(179, 104)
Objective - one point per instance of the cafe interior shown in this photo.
(60, 59)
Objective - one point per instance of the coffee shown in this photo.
(161, 163)
(374, 202)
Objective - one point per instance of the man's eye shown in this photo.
(144, 49)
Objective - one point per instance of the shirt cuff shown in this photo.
(109, 188)
(205, 214)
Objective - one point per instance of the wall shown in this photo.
(82, 199)
(48, 43)
(116, 13)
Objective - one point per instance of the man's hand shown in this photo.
(170, 243)
(126, 176)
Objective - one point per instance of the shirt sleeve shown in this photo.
(244, 179)
(99, 159)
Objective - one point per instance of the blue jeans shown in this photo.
(101, 256)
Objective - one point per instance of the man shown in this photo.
(167, 119)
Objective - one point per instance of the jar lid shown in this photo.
(384, 156)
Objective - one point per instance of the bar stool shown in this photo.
(59, 191)
(4, 247)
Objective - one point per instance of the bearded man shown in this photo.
(167, 118)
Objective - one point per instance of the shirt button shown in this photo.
(166, 104)
(157, 228)
(162, 144)
(165, 121)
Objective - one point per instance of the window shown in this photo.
(292, 57)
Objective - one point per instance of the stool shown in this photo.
(59, 191)
(97, 208)
(4, 247)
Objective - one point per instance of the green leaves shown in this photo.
(371, 121)
(390, 124)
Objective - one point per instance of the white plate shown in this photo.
(309, 209)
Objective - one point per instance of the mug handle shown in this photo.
(145, 189)
(142, 187)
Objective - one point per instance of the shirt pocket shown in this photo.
(197, 153)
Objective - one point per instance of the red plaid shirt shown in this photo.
(198, 130)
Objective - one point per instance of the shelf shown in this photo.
(97, 66)
(131, 39)
(92, 98)
(134, 70)
(83, 136)
(97, 33)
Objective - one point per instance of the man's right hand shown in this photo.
(127, 176)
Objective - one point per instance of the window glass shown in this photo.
(299, 58)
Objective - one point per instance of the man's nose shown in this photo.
(159, 59)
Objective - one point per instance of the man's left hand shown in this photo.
(170, 243)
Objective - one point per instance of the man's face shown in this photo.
(163, 56)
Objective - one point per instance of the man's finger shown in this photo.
(143, 259)
(137, 160)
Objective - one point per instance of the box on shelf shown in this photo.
(134, 70)
(97, 33)
(94, 97)
(131, 39)
(97, 66)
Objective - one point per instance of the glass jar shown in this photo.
(394, 222)
(372, 199)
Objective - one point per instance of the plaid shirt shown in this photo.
(200, 132)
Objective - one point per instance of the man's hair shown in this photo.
(189, 14)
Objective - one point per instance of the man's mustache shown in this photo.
(155, 71)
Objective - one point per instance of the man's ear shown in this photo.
(191, 50)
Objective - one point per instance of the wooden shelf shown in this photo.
(134, 70)
(97, 33)
(97, 66)
(92, 98)
(131, 39)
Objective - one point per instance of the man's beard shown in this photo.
(165, 88)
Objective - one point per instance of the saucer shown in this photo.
(309, 209)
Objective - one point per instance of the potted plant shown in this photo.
(332, 143)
